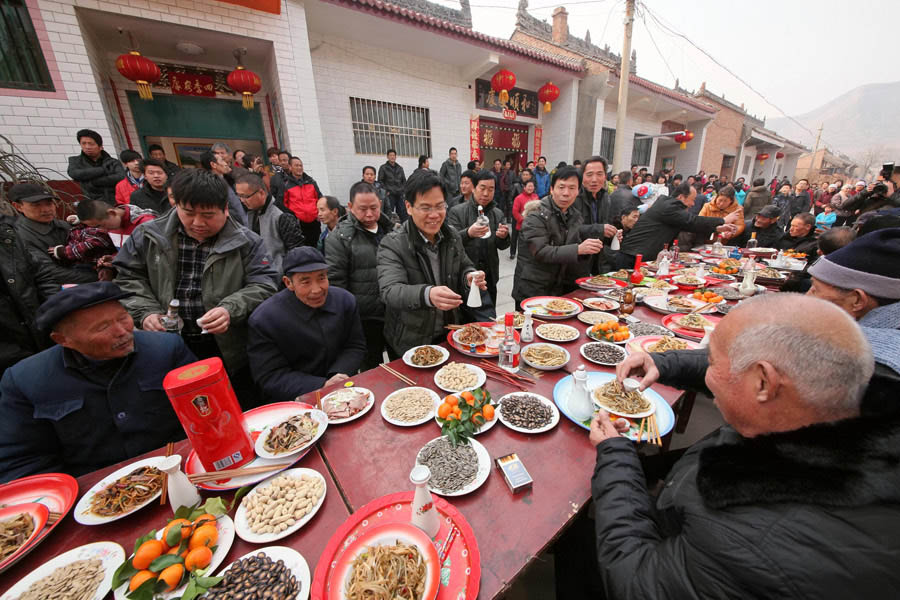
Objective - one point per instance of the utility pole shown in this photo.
(812, 164)
(619, 161)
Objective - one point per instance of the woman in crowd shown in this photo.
(528, 194)
(722, 205)
(839, 202)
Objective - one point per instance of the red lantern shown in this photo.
(779, 155)
(502, 82)
(684, 138)
(762, 157)
(246, 82)
(140, 70)
(548, 94)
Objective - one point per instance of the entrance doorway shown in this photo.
(504, 140)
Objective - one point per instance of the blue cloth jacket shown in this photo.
(541, 182)
(294, 349)
(56, 415)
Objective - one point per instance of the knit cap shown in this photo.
(870, 263)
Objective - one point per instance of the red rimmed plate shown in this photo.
(57, 491)
(256, 420)
(640, 344)
(538, 305)
(387, 534)
(461, 570)
(585, 283)
(481, 350)
(38, 514)
(669, 323)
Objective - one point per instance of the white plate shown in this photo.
(109, 553)
(407, 356)
(488, 425)
(543, 368)
(630, 337)
(646, 413)
(554, 419)
(436, 402)
(242, 527)
(316, 415)
(681, 279)
(293, 560)
(737, 285)
(597, 362)
(482, 377)
(588, 301)
(82, 512)
(368, 407)
(661, 304)
(465, 345)
(574, 332)
(484, 469)
(592, 317)
(225, 527)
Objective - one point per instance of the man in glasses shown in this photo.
(279, 230)
(423, 269)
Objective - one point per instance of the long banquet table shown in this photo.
(368, 458)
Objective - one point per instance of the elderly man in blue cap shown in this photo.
(95, 398)
(307, 336)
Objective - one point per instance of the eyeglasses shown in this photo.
(431, 209)
(250, 195)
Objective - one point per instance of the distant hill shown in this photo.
(864, 118)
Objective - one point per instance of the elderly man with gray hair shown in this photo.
(797, 496)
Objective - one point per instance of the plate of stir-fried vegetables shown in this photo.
(121, 493)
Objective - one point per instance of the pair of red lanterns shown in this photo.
(504, 80)
(763, 156)
(144, 72)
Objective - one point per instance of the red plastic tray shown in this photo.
(461, 571)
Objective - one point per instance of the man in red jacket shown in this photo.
(301, 193)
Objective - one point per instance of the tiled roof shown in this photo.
(659, 89)
(442, 26)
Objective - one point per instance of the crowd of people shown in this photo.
(295, 292)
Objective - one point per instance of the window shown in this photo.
(380, 126)
(727, 162)
(640, 152)
(607, 143)
(22, 63)
(746, 169)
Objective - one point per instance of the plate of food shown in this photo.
(20, 524)
(759, 250)
(425, 357)
(610, 331)
(713, 277)
(410, 406)
(693, 322)
(279, 506)
(347, 404)
(84, 573)
(677, 304)
(642, 292)
(121, 492)
(688, 281)
(398, 559)
(527, 413)
(599, 282)
(272, 566)
(603, 353)
(471, 338)
(545, 357)
(760, 289)
(292, 435)
(614, 399)
(459, 377)
(592, 317)
(518, 320)
(727, 292)
(768, 274)
(455, 470)
(602, 304)
(660, 343)
(617, 294)
(642, 328)
(670, 322)
(554, 332)
(553, 307)
(707, 296)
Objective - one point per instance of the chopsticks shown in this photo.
(53, 517)
(704, 307)
(513, 379)
(318, 400)
(398, 375)
(510, 382)
(170, 450)
(652, 429)
(230, 473)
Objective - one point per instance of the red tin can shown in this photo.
(204, 401)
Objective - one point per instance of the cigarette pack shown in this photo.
(514, 472)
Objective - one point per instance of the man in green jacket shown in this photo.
(423, 270)
(218, 270)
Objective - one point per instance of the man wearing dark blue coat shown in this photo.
(95, 398)
(307, 336)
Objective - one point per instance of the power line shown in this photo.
(608, 19)
(533, 8)
(643, 15)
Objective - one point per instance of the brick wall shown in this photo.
(723, 137)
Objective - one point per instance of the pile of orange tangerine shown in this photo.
(194, 548)
(449, 408)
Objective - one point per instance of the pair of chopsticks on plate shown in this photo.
(170, 450)
(502, 375)
(231, 473)
(699, 308)
(398, 375)
(650, 425)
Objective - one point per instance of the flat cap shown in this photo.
(770, 211)
(303, 260)
(29, 192)
(75, 298)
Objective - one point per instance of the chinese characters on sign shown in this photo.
(509, 138)
(509, 114)
(192, 84)
(523, 102)
(474, 147)
(538, 134)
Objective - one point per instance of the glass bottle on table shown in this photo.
(509, 347)
(752, 242)
(172, 321)
(663, 254)
(675, 251)
(483, 221)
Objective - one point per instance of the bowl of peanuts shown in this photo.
(279, 506)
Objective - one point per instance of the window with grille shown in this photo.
(22, 64)
(607, 143)
(640, 152)
(380, 126)
(746, 169)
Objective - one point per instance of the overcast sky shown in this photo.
(798, 53)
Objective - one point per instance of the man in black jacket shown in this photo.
(665, 219)
(597, 208)
(451, 171)
(797, 496)
(765, 226)
(623, 197)
(466, 189)
(156, 152)
(392, 177)
(152, 193)
(96, 171)
(801, 235)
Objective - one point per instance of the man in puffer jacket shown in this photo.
(798, 496)
(96, 171)
(301, 193)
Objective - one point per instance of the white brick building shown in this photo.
(313, 57)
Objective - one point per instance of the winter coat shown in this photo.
(351, 252)
(276, 186)
(451, 171)
(548, 260)
(807, 244)
(24, 285)
(124, 189)
(661, 224)
(301, 196)
(756, 198)
(791, 206)
(405, 278)
(621, 198)
(519, 205)
(541, 182)
(37, 237)
(238, 276)
(148, 198)
(131, 218)
(740, 196)
(56, 414)
(482, 252)
(810, 513)
(392, 177)
(770, 237)
(709, 210)
(98, 178)
(598, 212)
(279, 230)
(839, 202)
(171, 169)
